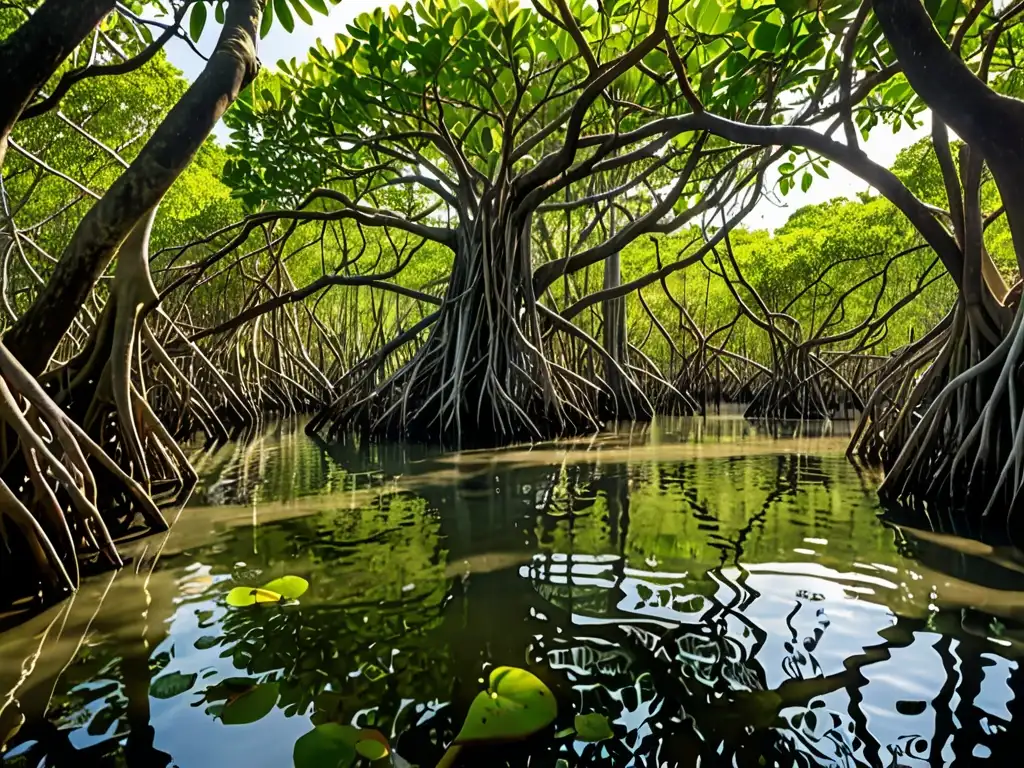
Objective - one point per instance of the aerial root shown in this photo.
(963, 440)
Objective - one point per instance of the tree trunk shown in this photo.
(34, 338)
(35, 50)
(486, 372)
(989, 122)
(957, 433)
(614, 314)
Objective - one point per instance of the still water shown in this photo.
(726, 594)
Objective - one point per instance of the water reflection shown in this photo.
(723, 592)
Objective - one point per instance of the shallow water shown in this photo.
(723, 593)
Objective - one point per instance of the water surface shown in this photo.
(725, 593)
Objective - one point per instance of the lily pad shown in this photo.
(250, 706)
(171, 685)
(288, 587)
(328, 745)
(517, 704)
(241, 597)
(593, 727)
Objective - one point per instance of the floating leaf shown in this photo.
(240, 597)
(251, 706)
(516, 705)
(593, 727)
(288, 587)
(172, 684)
(327, 746)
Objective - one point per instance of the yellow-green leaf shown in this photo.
(516, 705)
(241, 597)
(593, 727)
(371, 749)
(709, 17)
(288, 587)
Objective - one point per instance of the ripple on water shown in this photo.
(726, 592)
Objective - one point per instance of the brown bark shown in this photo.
(168, 152)
(35, 50)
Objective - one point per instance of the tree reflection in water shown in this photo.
(721, 595)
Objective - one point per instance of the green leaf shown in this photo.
(319, 6)
(371, 749)
(288, 587)
(251, 706)
(240, 597)
(302, 12)
(805, 181)
(267, 21)
(196, 21)
(284, 15)
(516, 705)
(709, 17)
(769, 37)
(329, 745)
(171, 685)
(593, 727)
(794, 7)
(218, 13)
(206, 641)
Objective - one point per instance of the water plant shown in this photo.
(276, 591)
(517, 704)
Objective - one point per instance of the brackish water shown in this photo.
(726, 594)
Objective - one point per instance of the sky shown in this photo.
(882, 146)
